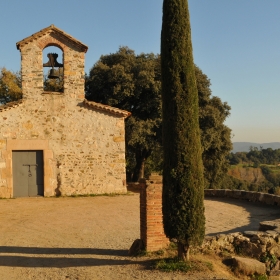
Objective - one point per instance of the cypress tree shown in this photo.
(183, 186)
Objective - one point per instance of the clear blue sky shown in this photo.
(236, 44)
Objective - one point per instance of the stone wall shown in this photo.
(31, 50)
(151, 222)
(262, 245)
(82, 142)
(87, 145)
(264, 198)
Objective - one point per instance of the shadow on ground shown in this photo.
(71, 257)
(62, 251)
(257, 213)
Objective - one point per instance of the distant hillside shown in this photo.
(245, 146)
(248, 174)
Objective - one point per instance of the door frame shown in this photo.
(28, 145)
(28, 173)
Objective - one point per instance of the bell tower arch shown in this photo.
(31, 49)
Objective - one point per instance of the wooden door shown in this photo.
(28, 176)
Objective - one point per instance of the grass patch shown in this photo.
(173, 246)
(238, 166)
(155, 254)
(93, 195)
(142, 253)
(201, 264)
(260, 277)
(173, 264)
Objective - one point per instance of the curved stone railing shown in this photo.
(264, 198)
(263, 244)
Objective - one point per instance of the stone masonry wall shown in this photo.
(83, 147)
(263, 198)
(88, 146)
(32, 70)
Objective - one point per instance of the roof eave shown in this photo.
(107, 108)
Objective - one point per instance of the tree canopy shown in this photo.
(256, 156)
(214, 134)
(10, 86)
(133, 82)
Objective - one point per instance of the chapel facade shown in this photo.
(58, 143)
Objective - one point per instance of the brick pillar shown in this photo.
(151, 225)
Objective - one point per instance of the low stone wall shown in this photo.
(263, 245)
(151, 227)
(264, 198)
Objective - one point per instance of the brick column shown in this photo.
(151, 225)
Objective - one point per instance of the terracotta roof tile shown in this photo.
(10, 105)
(107, 108)
(49, 29)
(91, 104)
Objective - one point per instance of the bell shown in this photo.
(53, 75)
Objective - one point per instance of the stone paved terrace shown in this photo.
(89, 237)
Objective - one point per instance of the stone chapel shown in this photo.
(58, 143)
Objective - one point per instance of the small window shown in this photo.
(53, 69)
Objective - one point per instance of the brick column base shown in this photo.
(151, 224)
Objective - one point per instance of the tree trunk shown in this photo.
(142, 169)
(139, 170)
(183, 252)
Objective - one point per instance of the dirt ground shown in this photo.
(89, 237)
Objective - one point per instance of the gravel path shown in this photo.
(88, 238)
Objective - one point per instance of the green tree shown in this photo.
(233, 159)
(269, 156)
(10, 86)
(215, 135)
(183, 182)
(242, 157)
(123, 79)
(133, 83)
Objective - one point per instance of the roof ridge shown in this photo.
(42, 32)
